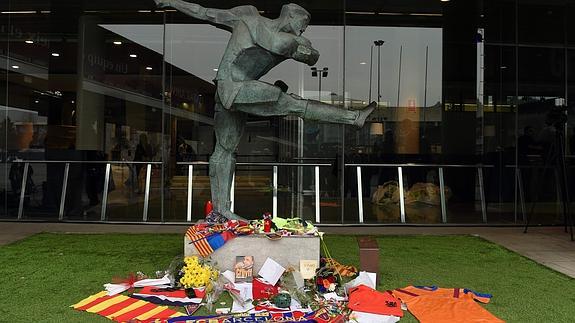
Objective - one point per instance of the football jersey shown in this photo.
(430, 304)
(368, 300)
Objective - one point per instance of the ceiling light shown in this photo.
(149, 68)
(15, 67)
(29, 41)
(18, 12)
(133, 55)
(444, 0)
(117, 42)
(36, 101)
(362, 63)
(215, 69)
(55, 54)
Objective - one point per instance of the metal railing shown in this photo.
(275, 169)
(440, 168)
(67, 163)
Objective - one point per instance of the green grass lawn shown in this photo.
(44, 274)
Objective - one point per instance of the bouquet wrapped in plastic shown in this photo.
(194, 274)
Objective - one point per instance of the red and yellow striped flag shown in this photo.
(121, 308)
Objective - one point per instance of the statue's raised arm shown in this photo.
(220, 17)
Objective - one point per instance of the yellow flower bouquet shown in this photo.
(196, 276)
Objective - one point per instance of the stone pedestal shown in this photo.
(287, 251)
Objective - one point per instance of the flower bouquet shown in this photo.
(195, 275)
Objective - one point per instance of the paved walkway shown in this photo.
(549, 246)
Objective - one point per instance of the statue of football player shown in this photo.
(257, 44)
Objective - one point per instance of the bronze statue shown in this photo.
(256, 46)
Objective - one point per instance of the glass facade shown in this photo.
(107, 110)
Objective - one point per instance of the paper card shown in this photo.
(237, 307)
(246, 290)
(271, 271)
(244, 268)
(307, 268)
(229, 275)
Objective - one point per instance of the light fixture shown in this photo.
(133, 55)
(117, 42)
(149, 68)
(17, 12)
(215, 69)
(444, 0)
(55, 54)
(29, 41)
(322, 72)
(36, 101)
(362, 63)
(15, 67)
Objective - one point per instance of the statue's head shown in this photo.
(296, 18)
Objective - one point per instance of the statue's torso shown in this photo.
(243, 59)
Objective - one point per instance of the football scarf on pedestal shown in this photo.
(208, 238)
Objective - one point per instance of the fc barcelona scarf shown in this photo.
(299, 317)
(121, 308)
(208, 238)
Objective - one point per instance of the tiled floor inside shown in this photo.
(549, 246)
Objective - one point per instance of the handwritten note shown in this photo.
(307, 268)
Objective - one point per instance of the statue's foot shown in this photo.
(364, 113)
(232, 216)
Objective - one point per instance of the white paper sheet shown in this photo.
(246, 290)
(238, 308)
(364, 278)
(271, 271)
(229, 275)
(362, 317)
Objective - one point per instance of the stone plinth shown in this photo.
(287, 251)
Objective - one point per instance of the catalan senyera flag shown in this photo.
(208, 238)
(121, 308)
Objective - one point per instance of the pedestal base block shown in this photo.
(287, 251)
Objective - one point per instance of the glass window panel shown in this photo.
(499, 21)
(422, 195)
(541, 23)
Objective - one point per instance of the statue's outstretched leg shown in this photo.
(229, 126)
(262, 99)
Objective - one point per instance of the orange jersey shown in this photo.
(407, 293)
(431, 304)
